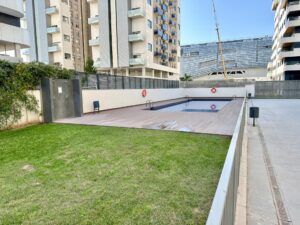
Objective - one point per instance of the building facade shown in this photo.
(56, 32)
(136, 38)
(13, 38)
(246, 58)
(285, 61)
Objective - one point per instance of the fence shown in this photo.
(223, 207)
(216, 83)
(106, 81)
(277, 89)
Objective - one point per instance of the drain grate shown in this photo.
(283, 217)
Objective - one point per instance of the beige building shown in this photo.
(136, 38)
(285, 60)
(13, 37)
(56, 32)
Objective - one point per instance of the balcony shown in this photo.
(164, 27)
(25, 51)
(164, 18)
(275, 4)
(54, 48)
(91, 1)
(295, 52)
(51, 10)
(10, 58)
(53, 29)
(164, 47)
(136, 61)
(289, 39)
(172, 59)
(172, 22)
(158, 11)
(164, 7)
(292, 67)
(164, 56)
(136, 37)
(158, 32)
(94, 42)
(93, 20)
(157, 54)
(13, 34)
(137, 12)
(97, 63)
(165, 37)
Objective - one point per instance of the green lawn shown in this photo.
(97, 175)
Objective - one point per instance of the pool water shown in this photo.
(196, 106)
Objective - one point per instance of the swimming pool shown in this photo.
(199, 105)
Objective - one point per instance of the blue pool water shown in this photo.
(196, 106)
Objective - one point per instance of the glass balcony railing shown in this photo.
(158, 11)
(51, 10)
(158, 32)
(53, 29)
(93, 20)
(137, 12)
(97, 63)
(136, 61)
(54, 48)
(94, 42)
(136, 37)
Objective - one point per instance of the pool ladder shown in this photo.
(149, 104)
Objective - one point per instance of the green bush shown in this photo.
(16, 80)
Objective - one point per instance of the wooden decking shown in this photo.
(222, 122)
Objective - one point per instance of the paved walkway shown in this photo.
(274, 164)
(222, 122)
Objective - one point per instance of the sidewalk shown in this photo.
(274, 164)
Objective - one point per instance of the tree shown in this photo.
(89, 66)
(186, 78)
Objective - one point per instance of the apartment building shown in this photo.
(136, 37)
(244, 59)
(285, 60)
(13, 38)
(56, 32)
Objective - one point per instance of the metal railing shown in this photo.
(278, 89)
(223, 207)
(106, 82)
(216, 83)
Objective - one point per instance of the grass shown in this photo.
(98, 175)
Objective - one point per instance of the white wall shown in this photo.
(111, 99)
(31, 117)
(220, 93)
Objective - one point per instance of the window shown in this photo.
(66, 19)
(67, 56)
(149, 2)
(194, 54)
(65, 1)
(150, 24)
(67, 38)
(149, 47)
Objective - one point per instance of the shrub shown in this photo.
(89, 66)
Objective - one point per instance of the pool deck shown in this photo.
(274, 164)
(221, 123)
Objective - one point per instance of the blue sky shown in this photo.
(237, 19)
